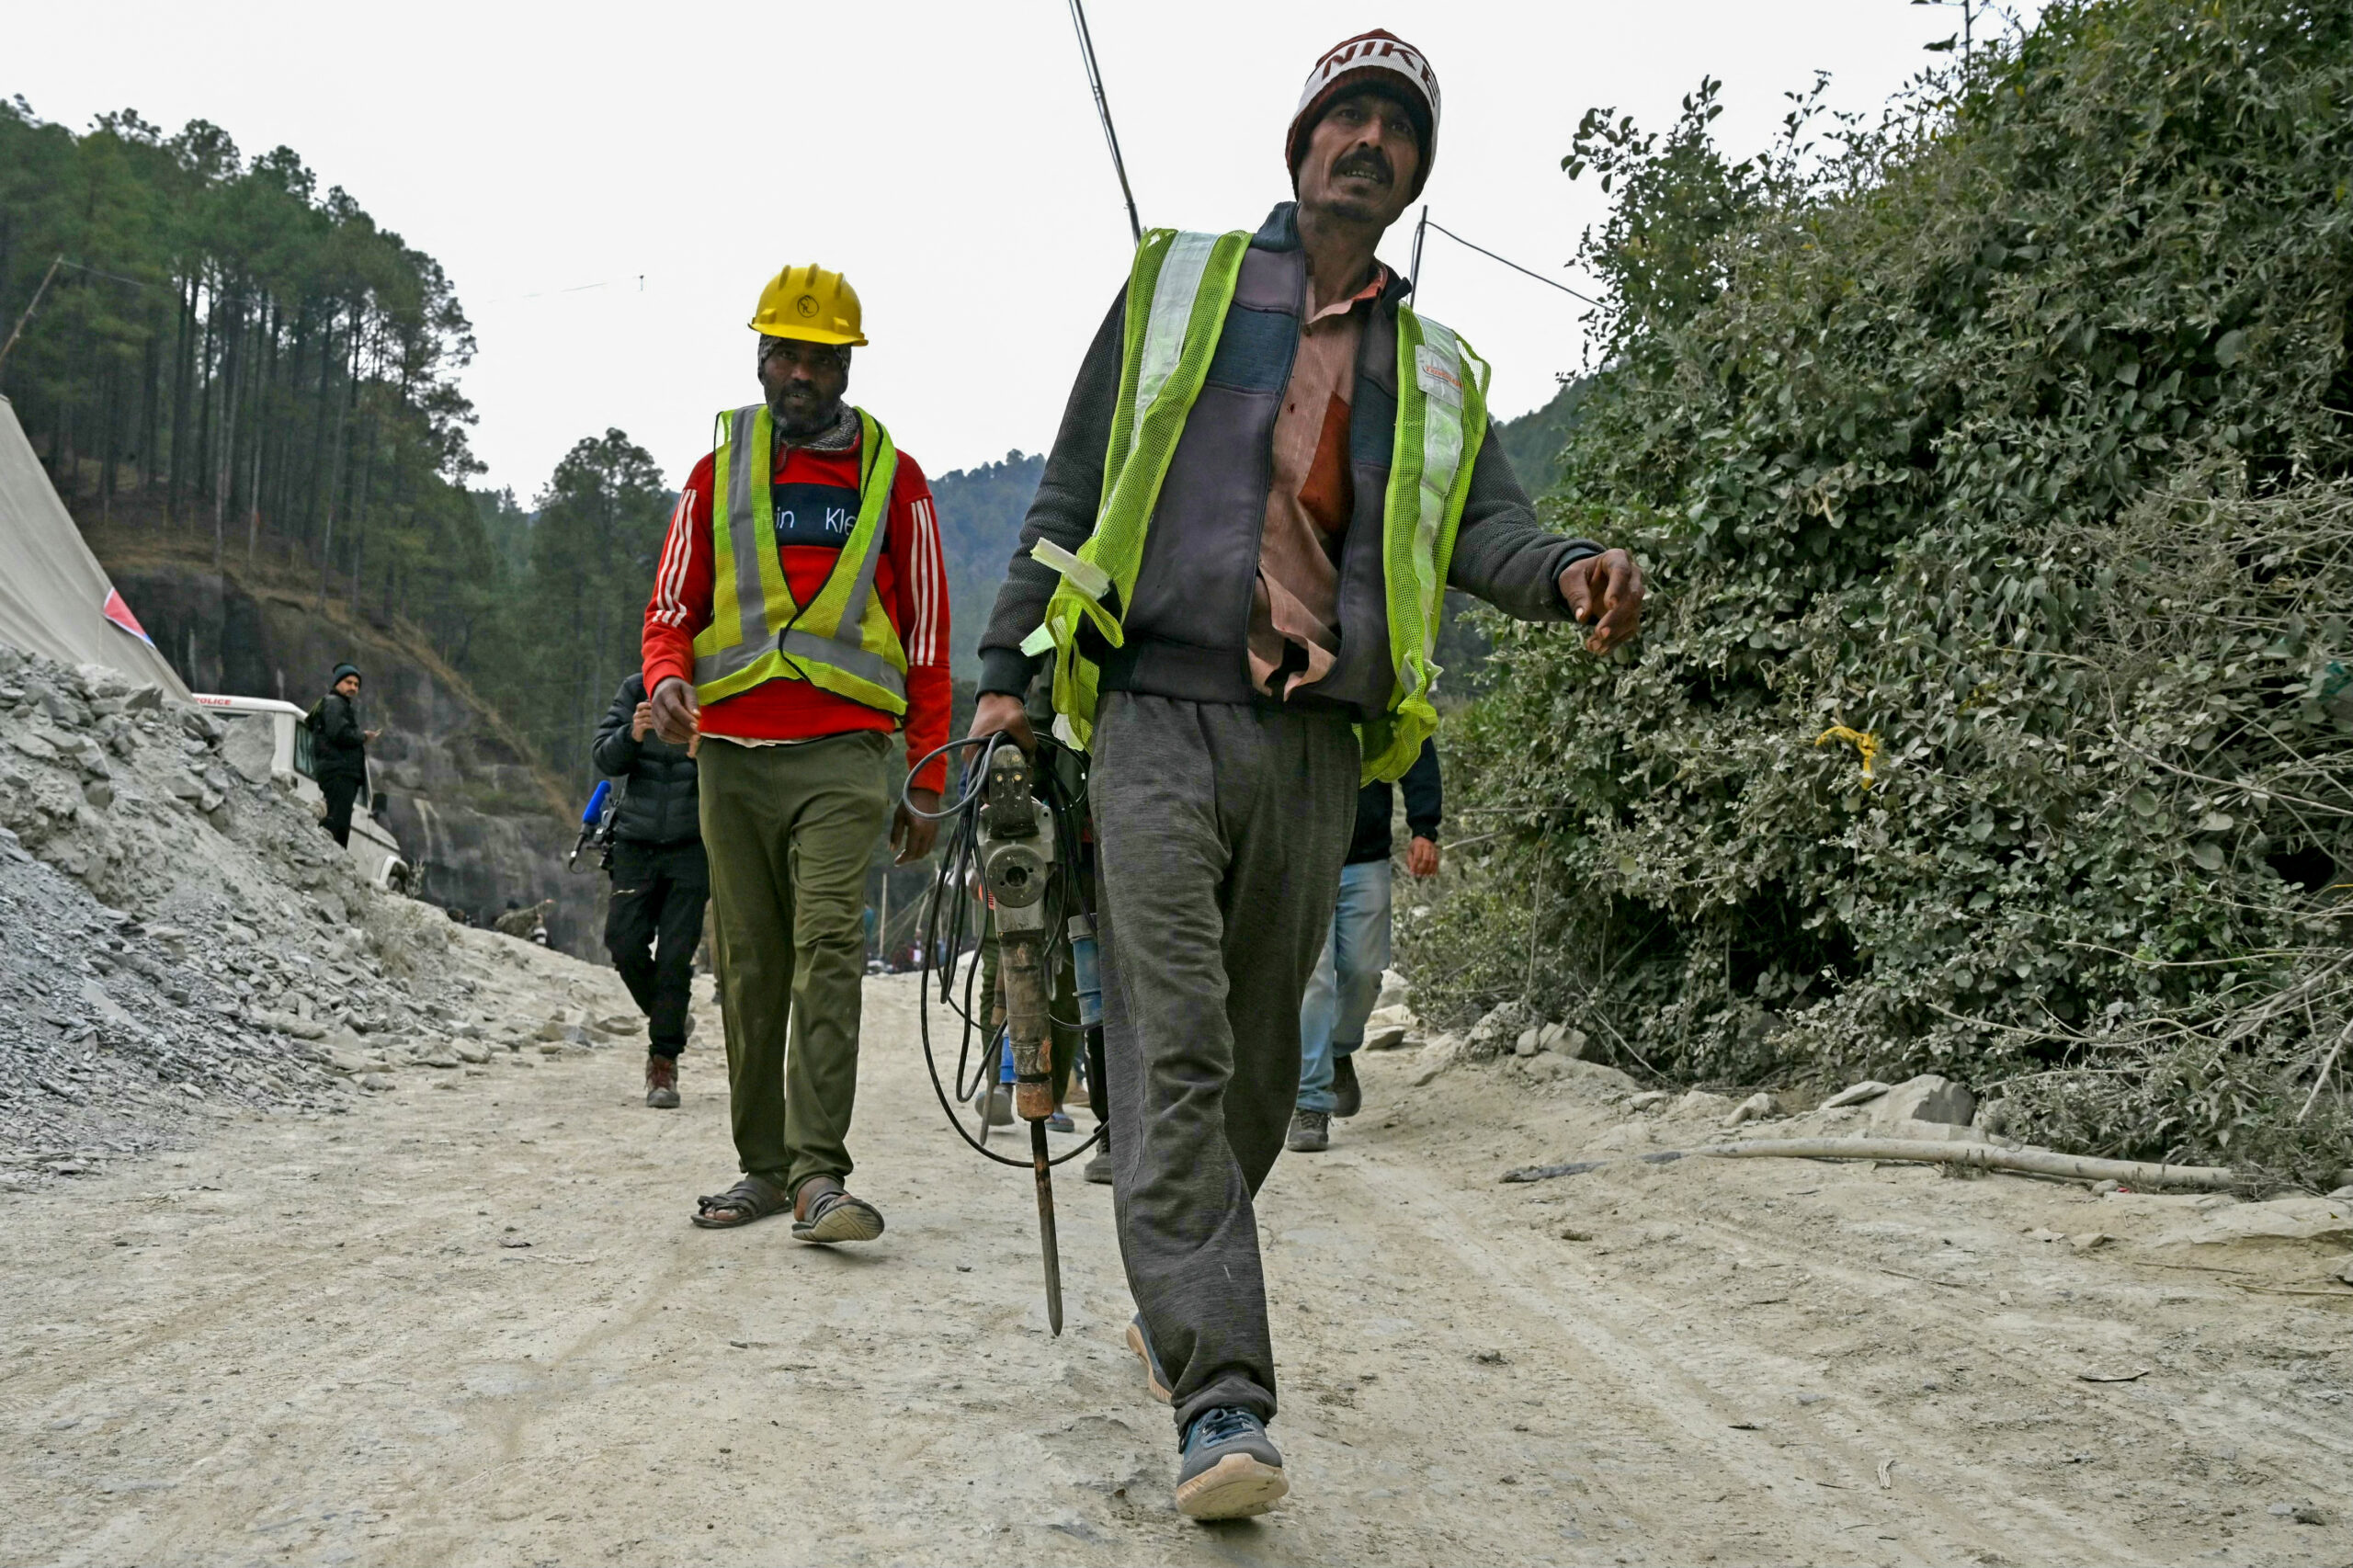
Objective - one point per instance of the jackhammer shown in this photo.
(1017, 862)
(1014, 830)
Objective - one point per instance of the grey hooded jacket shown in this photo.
(1187, 630)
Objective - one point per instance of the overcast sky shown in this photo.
(945, 156)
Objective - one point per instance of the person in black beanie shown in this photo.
(661, 879)
(339, 748)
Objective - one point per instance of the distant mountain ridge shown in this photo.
(979, 522)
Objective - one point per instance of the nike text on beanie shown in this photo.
(1376, 59)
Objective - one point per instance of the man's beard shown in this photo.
(792, 419)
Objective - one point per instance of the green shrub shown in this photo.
(1991, 715)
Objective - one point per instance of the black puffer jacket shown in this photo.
(338, 745)
(658, 800)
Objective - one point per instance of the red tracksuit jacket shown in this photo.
(911, 581)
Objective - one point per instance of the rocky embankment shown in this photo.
(177, 941)
(484, 822)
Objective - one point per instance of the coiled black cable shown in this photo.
(951, 907)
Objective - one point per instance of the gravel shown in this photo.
(182, 943)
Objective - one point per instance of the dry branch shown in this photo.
(1982, 1156)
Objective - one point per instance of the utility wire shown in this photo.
(1428, 222)
(1103, 109)
(116, 276)
(638, 278)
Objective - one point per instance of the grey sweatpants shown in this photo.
(1220, 830)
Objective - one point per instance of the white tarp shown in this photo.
(54, 596)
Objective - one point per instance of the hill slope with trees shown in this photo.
(1991, 466)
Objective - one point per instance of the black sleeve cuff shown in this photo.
(1006, 670)
(1579, 549)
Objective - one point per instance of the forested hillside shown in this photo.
(1993, 468)
(221, 351)
(979, 522)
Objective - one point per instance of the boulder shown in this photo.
(1387, 1028)
(2281, 1221)
(1927, 1098)
(1595, 1072)
(1699, 1102)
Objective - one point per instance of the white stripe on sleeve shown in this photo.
(669, 578)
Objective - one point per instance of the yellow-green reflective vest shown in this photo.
(841, 640)
(1178, 296)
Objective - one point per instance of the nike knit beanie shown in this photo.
(1376, 59)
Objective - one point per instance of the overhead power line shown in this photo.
(1427, 223)
(1103, 109)
(638, 278)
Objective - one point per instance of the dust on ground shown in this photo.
(471, 1324)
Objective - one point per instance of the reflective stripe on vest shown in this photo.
(841, 640)
(1441, 421)
(1178, 293)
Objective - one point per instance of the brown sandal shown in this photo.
(834, 1215)
(749, 1199)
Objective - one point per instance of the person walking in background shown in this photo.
(1347, 982)
(339, 749)
(799, 617)
(660, 878)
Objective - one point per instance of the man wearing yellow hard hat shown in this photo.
(798, 618)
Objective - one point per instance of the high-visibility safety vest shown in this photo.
(1179, 295)
(841, 640)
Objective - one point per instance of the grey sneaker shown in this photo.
(996, 1105)
(1344, 1089)
(1311, 1131)
(1155, 1382)
(1230, 1469)
(1097, 1170)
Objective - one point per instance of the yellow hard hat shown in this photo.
(812, 304)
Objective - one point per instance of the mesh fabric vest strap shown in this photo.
(841, 640)
(1178, 295)
(1441, 421)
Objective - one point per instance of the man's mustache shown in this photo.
(1365, 161)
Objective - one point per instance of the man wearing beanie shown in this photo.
(1270, 469)
(339, 748)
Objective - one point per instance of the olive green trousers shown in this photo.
(789, 832)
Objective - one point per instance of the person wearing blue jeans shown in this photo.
(1347, 982)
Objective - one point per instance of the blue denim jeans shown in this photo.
(1347, 982)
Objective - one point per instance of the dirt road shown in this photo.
(473, 1327)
